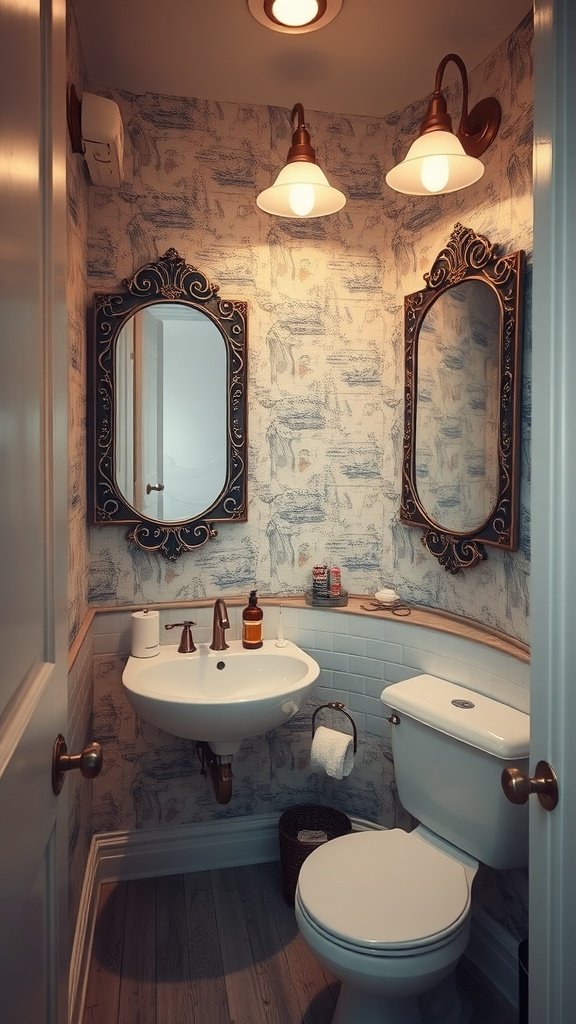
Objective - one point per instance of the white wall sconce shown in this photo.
(440, 161)
(294, 16)
(301, 189)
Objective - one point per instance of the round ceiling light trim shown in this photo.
(262, 11)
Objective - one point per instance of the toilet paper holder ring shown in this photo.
(337, 705)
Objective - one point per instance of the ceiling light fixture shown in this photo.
(294, 16)
(301, 189)
(440, 161)
(294, 13)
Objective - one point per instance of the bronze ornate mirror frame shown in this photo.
(167, 280)
(466, 257)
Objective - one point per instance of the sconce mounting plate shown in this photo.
(481, 127)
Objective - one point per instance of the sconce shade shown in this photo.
(301, 189)
(440, 161)
(435, 163)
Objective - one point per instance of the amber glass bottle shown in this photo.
(252, 623)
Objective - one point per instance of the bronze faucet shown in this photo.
(186, 645)
(219, 624)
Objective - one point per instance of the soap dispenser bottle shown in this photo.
(252, 617)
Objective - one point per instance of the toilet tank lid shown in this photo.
(467, 716)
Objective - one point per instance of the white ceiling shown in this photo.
(375, 57)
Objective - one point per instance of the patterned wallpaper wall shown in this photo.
(325, 334)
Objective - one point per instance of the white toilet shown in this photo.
(388, 912)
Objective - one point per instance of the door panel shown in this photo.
(553, 707)
(21, 376)
(33, 509)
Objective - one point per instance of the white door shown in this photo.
(553, 711)
(33, 504)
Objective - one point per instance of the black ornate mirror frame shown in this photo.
(469, 256)
(169, 279)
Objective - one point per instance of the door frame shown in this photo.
(553, 566)
(34, 921)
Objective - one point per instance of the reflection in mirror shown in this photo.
(462, 395)
(169, 411)
(457, 409)
(170, 419)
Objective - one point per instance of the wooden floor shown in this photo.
(214, 947)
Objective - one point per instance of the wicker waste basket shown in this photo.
(301, 830)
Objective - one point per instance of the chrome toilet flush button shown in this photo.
(463, 703)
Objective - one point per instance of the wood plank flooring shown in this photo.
(215, 947)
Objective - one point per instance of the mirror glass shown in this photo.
(460, 464)
(170, 412)
(168, 421)
(457, 409)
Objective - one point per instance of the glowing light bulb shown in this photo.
(435, 173)
(295, 12)
(301, 199)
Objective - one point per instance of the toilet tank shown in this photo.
(450, 746)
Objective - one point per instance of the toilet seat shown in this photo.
(384, 891)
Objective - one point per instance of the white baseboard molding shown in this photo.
(83, 936)
(225, 843)
(494, 953)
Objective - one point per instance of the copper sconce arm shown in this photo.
(477, 129)
(301, 147)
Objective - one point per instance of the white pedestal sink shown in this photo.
(220, 696)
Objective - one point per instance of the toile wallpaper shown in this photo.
(325, 340)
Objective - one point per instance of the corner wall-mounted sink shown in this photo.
(220, 697)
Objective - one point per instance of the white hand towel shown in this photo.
(333, 751)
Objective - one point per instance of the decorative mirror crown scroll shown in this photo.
(460, 472)
(169, 408)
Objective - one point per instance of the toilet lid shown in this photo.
(383, 888)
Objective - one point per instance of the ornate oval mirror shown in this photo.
(462, 349)
(169, 432)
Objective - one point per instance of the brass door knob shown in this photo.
(89, 761)
(518, 787)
